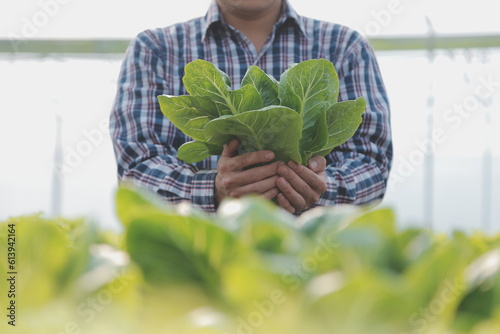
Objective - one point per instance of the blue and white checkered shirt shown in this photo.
(146, 143)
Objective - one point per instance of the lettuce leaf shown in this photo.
(297, 118)
(272, 128)
(265, 84)
(202, 78)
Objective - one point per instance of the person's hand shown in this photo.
(301, 186)
(233, 179)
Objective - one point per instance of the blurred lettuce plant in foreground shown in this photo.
(250, 269)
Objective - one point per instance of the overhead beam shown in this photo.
(118, 46)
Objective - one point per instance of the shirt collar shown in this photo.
(288, 13)
(213, 16)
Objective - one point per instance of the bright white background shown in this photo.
(80, 91)
(113, 18)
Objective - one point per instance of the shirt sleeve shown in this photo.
(358, 170)
(144, 140)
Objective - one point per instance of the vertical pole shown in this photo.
(429, 168)
(57, 172)
(487, 162)
(487, 193)
(429, 156)
(487, 171)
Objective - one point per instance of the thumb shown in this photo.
(317, 164)
(231, 149)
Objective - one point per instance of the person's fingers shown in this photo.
(317, 164)
(259, 187)
(271, 193)
(259, 173)
(312, 180)
(300, 185)
(249, 159)
(295, 199)
(247, 177)
(285, 204)
(231, 149)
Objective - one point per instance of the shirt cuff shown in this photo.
(202, 190)
(329, 196)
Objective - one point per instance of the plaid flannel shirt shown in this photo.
(146, 143)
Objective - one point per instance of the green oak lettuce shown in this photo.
(297, 118)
